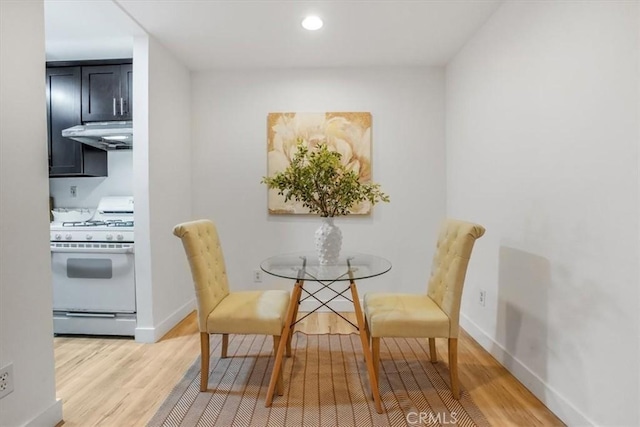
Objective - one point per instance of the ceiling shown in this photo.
(96, 29)
(68, 19)
(217, 34)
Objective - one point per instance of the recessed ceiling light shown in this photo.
(312, 23)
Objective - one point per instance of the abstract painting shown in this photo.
(346, 133)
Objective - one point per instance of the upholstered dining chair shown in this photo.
(219, 310)
(431, 315)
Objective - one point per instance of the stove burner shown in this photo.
(95, 223)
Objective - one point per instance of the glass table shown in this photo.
(304, 266)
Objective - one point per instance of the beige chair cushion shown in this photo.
(221, 311)
(449, 267)
(202, 246)
(250, 312)
(437, 313)
(404, 315)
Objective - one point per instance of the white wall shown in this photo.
(144, 296)
(26, 325)
(230, 111)
(162, 165)
(119, 182)
(542, 148)
(638, 144)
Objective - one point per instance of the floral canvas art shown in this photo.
(346, 133)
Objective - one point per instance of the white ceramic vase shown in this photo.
(328, 242)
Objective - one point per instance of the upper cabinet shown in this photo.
(68, 157)
(79, 92)
(106, 92)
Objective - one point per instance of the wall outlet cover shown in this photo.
(482, 297)
(6, 380)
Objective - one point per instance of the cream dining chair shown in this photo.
(219, 310)
(431, 315)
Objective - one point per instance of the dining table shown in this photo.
(339, 279)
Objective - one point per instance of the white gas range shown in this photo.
(94, 271)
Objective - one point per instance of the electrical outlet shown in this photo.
(6, 380)
(482, 297)
(73, 190)
(257, 276)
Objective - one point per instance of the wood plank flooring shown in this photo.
(118, 382)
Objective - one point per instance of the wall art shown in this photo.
(346, 133)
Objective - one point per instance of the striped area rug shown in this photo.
(325, 384)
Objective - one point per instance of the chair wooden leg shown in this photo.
(375, 353)
(204, 360)
(279, 385)
(225, 345)
(432, 350)
(295, 317)
(288, 350)
(365, 347)
(453, 367)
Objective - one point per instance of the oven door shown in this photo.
(97, 278)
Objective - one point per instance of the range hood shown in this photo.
(103, 135)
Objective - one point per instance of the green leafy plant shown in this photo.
(322, 183)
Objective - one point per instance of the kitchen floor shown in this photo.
(118, 382)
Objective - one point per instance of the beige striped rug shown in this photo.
(325, 385)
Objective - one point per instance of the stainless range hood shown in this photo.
(103, 135)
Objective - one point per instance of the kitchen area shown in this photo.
(90, 136)
(104, 174)
(90, 159)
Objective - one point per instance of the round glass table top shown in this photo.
(306, 266)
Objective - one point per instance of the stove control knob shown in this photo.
(109, 236)
(67, 236)
(120, 237)
(89, 237)
(58, 236)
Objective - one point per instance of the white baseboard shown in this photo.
(153, 334)
(145, 335)
(551, 398)
(49, 417)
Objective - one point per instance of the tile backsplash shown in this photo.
(90, 190)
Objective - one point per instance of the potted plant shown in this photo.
(324, 185)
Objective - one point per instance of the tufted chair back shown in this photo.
(201, 243)
(449, 268)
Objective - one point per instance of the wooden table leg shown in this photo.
(286, 330)
(373, 381)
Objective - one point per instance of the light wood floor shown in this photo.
(118, 382)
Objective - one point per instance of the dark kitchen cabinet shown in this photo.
(68, 157)
(106, 92)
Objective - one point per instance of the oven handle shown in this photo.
(76, 314)
(128, 250)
